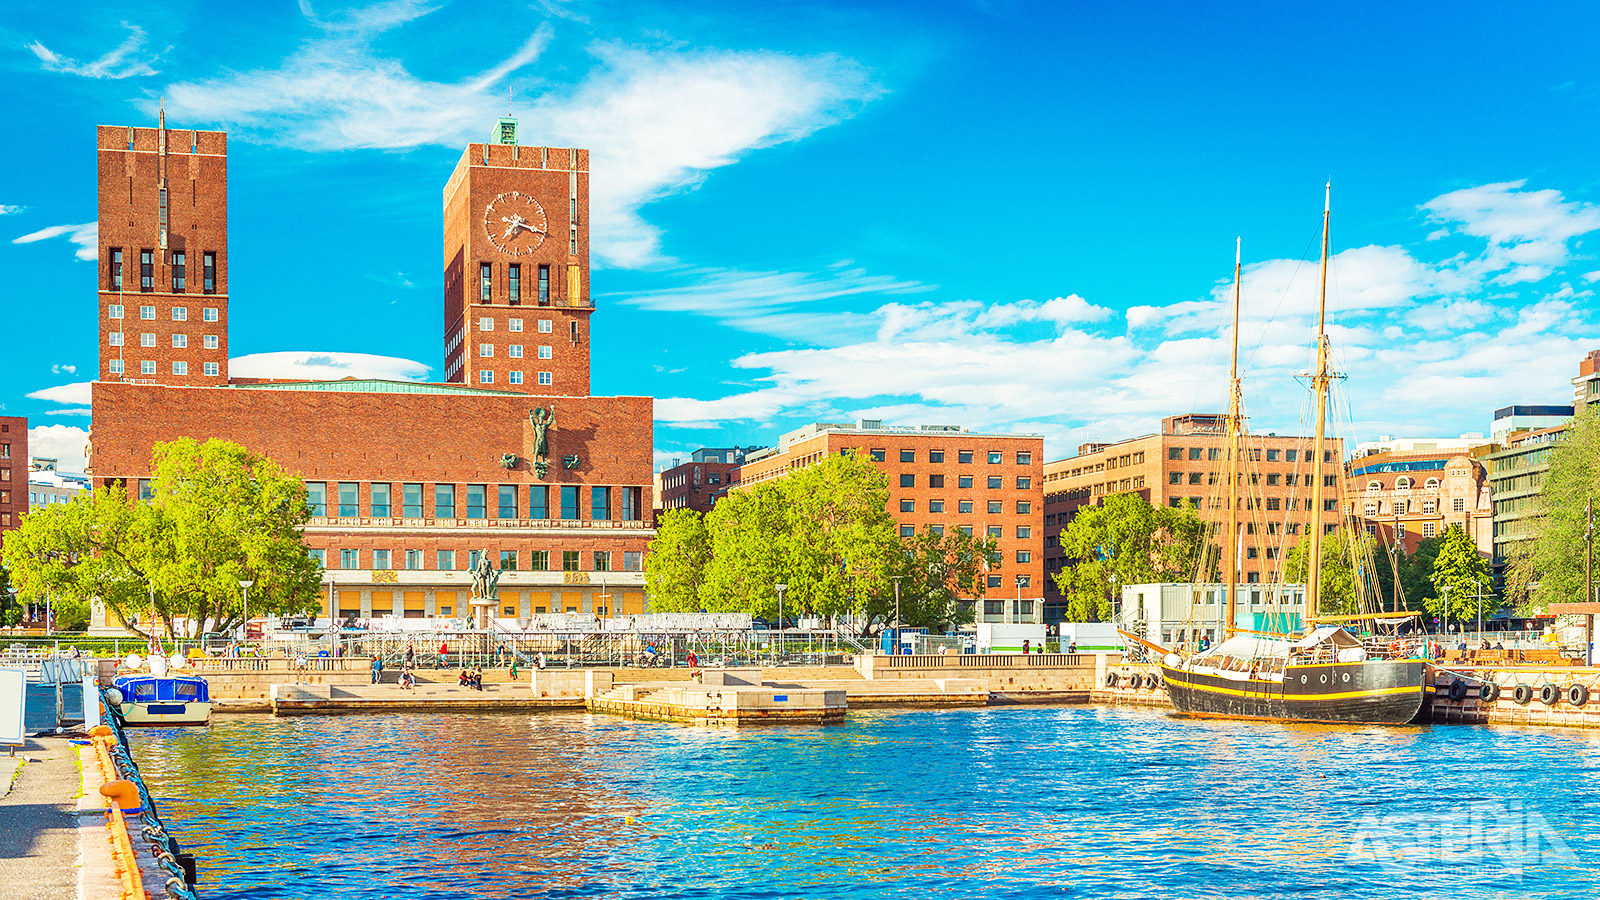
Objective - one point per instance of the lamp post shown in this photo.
(896, 644)
(1021, 579)
(780, 587)
(245, 625)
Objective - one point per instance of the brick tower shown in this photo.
(163, 255)
(516, 268)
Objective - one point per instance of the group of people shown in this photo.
(471, 678)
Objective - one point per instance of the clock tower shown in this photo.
(516, 268)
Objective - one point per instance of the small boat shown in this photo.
(160, 698)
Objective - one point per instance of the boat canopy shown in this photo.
(1250, 646)
(1328, 634)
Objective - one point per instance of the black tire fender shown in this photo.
(1489, 692)
(1458, 690)
(1549, 694)
(1577, 694)
(1523, 694)
(1135, 681)
(1111, 679)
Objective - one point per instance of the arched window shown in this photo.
(1373, 487)
(1431, 484)
(1403, 483)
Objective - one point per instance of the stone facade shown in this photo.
(1409, 497)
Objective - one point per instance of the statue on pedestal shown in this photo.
(485, 579)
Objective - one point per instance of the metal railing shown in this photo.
(986, 661)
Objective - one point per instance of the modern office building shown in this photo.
(942, 477)
(1509, 420)
(1515, 476)
(408, 482)
(697, 483)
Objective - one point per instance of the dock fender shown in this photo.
(1523, 695)
(1135, 681)
(1111, 679)
(1153, 680)
(1458, 690)
(1549, 694)
(1577, 694)
(1488, 692)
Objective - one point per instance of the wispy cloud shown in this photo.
(1529, 232)
(58, 368)
(657, 121)
(86, 236)
(76, 411)
(75, 394)
(9, 210)
(122, 61)
(325, 365)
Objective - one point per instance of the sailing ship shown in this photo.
(1325, 674)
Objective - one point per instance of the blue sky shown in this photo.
(1013, 216)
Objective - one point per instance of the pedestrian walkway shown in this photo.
(39, 824)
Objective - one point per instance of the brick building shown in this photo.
(13, 473)
(1187, 462)
(698, 483)
(944, 477)
(1586, 387)
(1409, 497)
(409, 482)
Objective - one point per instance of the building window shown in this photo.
(876, 455)
(446, 560)
(964, 506)
(349, 499)
(444, 501)
(1024, 484)
(569, 560)
(349, 559)
(514, 325)
(936, 529)
(1427, 529)
(995, 483)
(485, 351)
(514, 285)
(380, 559)
(632, 503)
(114, 311)
(1174, 453)
(936, 481)
(996, 507)
(477, 501)
(569, 501)
(602, 560)
(485, 323)
(546, 352)
(539, 502)
(544, 285)
(114, 339)
(380, 503)
(180, 367)
(964, 456)
(538, 560)
(1025, 458)
(908, 456)
(632, 560)
(508, 560)
(474, 557)
(1459, 504)
(410, 501)
(114, 366)
(513, 377)
(147, 270)
(213, 369)
(180, 341)
(907, 505)
(964, 481)
(936, 456)
(1174, 478)
(507, 508)
(908, 480)
(210, 341)
(413, 559)
(209, 274)
(116, 268)
(936, 506)
(180, 314)
(485, 377)
(320, 557)
(600, 504)
(209, 314)
(546, 326)
(514, 351)
(179, 282)
(1024, 507)
(317, 498)
(147, 367)
(485, 279)
(546, 378)
(147, 339)
(1025, 581)
(995, 457)
(908, 531)
(147, 313)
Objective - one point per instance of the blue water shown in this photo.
(998, 802)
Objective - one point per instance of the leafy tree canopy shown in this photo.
(1126, 540)
(1349, 579)
(1549, 565)
(1460, 577)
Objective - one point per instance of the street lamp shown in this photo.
(896, 644)
(780, 587)
(1021, 580)
(246, 583)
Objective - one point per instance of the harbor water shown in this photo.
(991, 802)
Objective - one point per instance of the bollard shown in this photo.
(123, 793)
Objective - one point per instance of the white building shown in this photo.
(1176, 613)
(46, 486)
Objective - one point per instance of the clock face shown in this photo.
(515, 223)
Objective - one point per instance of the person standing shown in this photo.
(377, 669)
(444, 651)
(411, 655)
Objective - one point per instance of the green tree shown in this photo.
(1549, 565)
(676, 565)
(941, 576)
(1343, 556)
(840, 538)
(10, 609)
(1125, 540)
(219, 514)
(1460, 575)
(749, 534)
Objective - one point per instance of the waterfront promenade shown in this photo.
(39, 826)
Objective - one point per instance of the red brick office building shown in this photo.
(13, 473)
(408, 482)
(942, 477)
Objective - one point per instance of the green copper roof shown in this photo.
(372, 386)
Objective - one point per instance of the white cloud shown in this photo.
(1528, 231)
(315, 365)
(61, 442)
(120, 62)
(86, 236)
(58, 369)
(9, 209)
(657, 121)
(75, 411)
(75, 394)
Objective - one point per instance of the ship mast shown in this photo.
(1319, 383)
(1230, 551)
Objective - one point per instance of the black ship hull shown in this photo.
(1375, 692)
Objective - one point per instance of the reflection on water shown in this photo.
(1011, 801)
